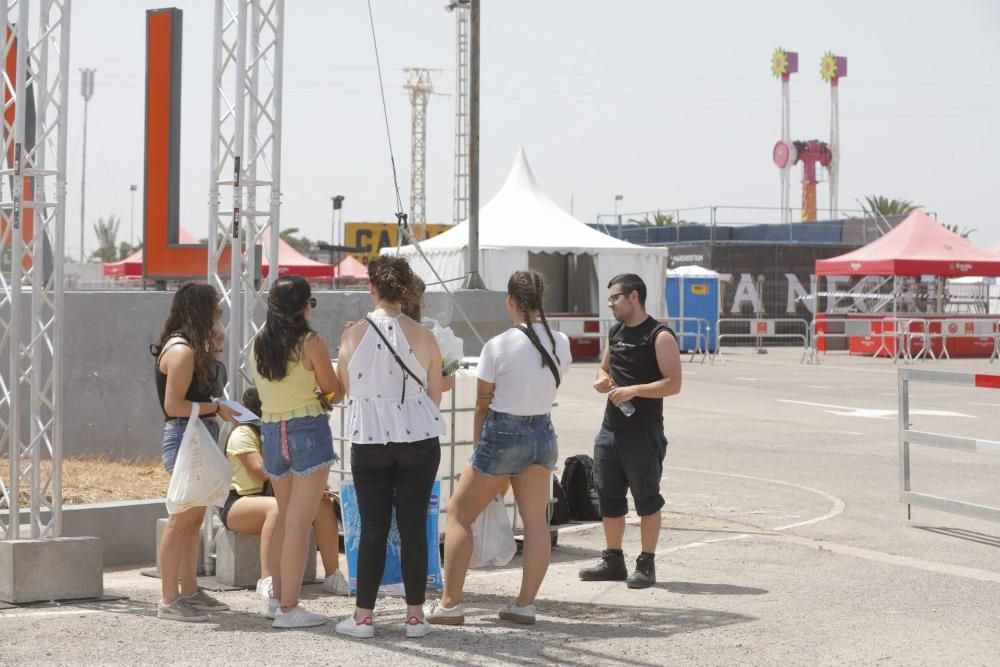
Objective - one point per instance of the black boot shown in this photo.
(611, 567)
(645, 572)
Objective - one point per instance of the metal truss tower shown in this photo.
(418, 82)
(32, 238)
(247, 63)
(460, 204)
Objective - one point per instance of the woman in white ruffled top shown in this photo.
(391, 368)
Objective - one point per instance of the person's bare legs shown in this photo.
(282, 494)
(474, 492)
(327, 537)
(296, 522)
(256, 515)
(175, 554)
(531, 491)
(649, 529)
(614, 531)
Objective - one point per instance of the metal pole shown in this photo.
(83, 181)
(474, 280)
(131, 214)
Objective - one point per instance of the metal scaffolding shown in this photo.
(32, 236)
(247, 64)
(418, 82)
(460, 204)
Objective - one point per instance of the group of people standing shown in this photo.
(389, 372)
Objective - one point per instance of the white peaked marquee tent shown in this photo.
(522, 228)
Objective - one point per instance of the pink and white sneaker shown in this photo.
(363, 629)
(416, 627)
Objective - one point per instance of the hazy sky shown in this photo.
(670, 104)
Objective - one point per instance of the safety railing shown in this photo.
(702, 335)
(908, 436)
(908, 339)
(760, 331)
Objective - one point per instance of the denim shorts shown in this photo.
(173, 433)
(511, 443)
(297, 446)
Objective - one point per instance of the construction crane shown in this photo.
(418, 82)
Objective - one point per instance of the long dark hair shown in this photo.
(193, 314)
(392, 278)
(285, 329)
(527, 288)
(251, 401)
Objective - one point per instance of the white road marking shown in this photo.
(35, 614)
(747, 379)
(815, 386)
(874, 413)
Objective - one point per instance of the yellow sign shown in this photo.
(373, 236)
(699, 290)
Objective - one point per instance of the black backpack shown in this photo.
(578, 484)
(560, 505)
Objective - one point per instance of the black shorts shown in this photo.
(629, 460)
(234, 496)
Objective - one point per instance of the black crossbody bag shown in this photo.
(395, 355)
(546, 357)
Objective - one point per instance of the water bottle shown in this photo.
(626, 407)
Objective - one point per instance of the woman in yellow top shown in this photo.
(251, 508)
(289, 362)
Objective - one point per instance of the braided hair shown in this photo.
(285, 329)
(527, 288)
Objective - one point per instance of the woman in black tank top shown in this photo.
(184, 371)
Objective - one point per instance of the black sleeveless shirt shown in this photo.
(194, 394)
(633, 361)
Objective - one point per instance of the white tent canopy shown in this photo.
(521, 228)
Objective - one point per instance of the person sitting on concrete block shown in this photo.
(252, 509)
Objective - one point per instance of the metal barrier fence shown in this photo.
(906, 338)
(593, 328)
(759, 330)
(908, 436)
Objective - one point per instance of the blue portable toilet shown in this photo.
(693, 306)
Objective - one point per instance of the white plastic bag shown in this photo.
(492, 537)
(451, 346)
(201, 472)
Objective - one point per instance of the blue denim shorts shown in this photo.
(297, 446)
(173, 433)
(511, 443)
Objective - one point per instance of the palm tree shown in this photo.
(659, 219)
(300, 243)
(964, 232)
(887, 207)
(107, 239)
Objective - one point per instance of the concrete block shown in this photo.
(63, 568)
(237, 558)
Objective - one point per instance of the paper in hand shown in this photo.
(240, 412)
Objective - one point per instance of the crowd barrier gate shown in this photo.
(908, 437)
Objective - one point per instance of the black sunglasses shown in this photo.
(312, 302)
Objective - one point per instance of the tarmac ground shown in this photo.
(784, 542)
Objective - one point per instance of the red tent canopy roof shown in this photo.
(290, 261)
(350, 267)
(915, 247)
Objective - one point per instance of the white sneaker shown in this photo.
(364, 629)
(524, 615)
(416, 628)
(438, 614)
(336, 584)
(273, 604)
(297, 618)
(264, 588)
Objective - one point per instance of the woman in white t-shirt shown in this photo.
(519, 371)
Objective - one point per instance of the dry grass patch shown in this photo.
(99, 480)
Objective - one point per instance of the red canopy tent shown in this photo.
(352, 268)
(915, 248)
(918, 246)
(290, 261)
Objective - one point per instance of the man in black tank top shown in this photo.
(640, 366)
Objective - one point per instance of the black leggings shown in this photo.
(408, 470)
